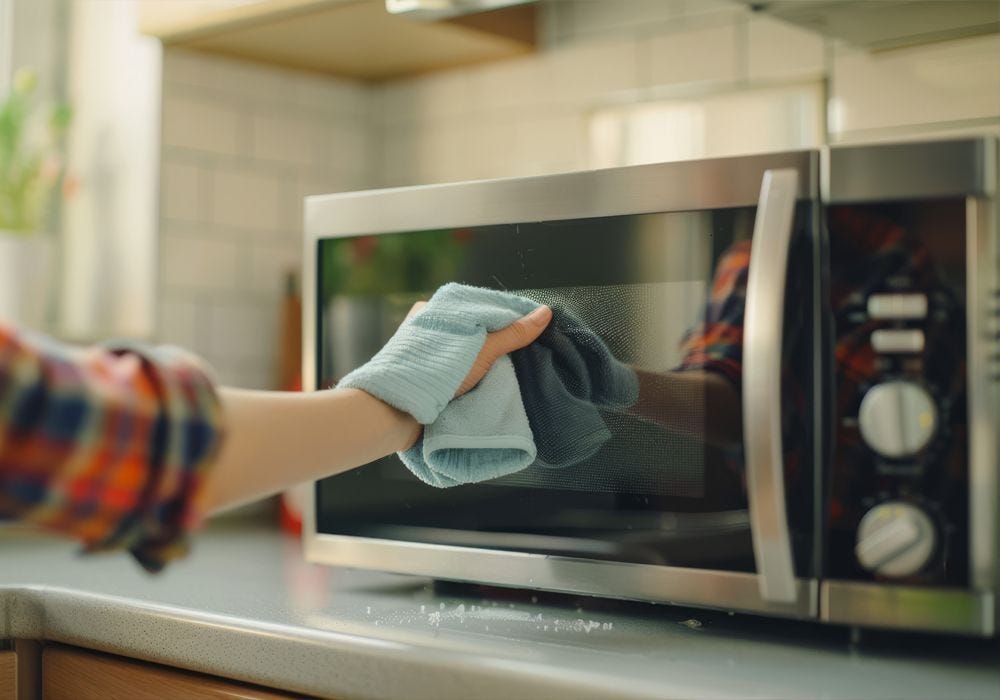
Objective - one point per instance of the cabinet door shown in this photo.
(76, 674)
(8, 675)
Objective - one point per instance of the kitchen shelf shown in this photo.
(348, 38)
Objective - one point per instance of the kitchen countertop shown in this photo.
(246, 606)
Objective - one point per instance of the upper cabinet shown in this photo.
(349, 38)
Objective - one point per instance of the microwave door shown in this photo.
(655, 261)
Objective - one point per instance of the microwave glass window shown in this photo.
(665, 294)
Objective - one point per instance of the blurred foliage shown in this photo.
(31, 163)
(398, 262)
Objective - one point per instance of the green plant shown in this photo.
(30, 158)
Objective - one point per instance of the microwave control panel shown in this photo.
(898, 479)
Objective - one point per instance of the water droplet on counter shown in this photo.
(368, 610)
(423, 608)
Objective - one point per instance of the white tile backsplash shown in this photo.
(578, 73)
(284, 137)
(242, 145)
(506, 86)
(194, 261)
(190, 68)
(492, 148)
(697, 55)
(332, 96)
(243, 330)
(550, 142)
(247, 199)
(779, 50)
(181, 186)
(270, 264)
(179, 323)
(202, 124)
(345, 147)
(944, 82)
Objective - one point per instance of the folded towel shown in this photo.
(421, 367)
(564, 376)
(481, 435)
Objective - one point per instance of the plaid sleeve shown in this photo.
(108, 445)
(716, 343)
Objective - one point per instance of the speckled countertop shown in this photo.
(246, 606)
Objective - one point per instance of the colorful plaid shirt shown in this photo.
(108, 445)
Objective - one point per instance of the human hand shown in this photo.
(517, 335)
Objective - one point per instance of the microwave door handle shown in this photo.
(762, 344)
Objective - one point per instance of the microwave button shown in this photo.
(895, 539)
(896, 341)
(897, 306)
(897, 419)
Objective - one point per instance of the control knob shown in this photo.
(895, 539)
(897, 419)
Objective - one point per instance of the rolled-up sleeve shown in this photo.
(109, 445)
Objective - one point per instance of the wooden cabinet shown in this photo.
(350, 38)
(69, 673)
(8, 675)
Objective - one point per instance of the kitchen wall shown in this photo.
(534, 115)
(530, 116)
(242, 144)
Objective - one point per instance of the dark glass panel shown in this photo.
(666, 294)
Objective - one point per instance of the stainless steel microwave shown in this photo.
(816, 336)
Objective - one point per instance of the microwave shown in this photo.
(816, 338)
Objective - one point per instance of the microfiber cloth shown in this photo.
(483, 434)
(548, 391)
(421, 367)
(565, 375)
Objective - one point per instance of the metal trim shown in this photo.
(982, 285)
(718, 183)
(955, 611)
(915, 170)
(762, 339)
(697, 587)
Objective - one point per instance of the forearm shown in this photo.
(275, 440)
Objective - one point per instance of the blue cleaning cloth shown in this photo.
(421, 367)
(483, 434)
(538, 407)
(564, 377)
